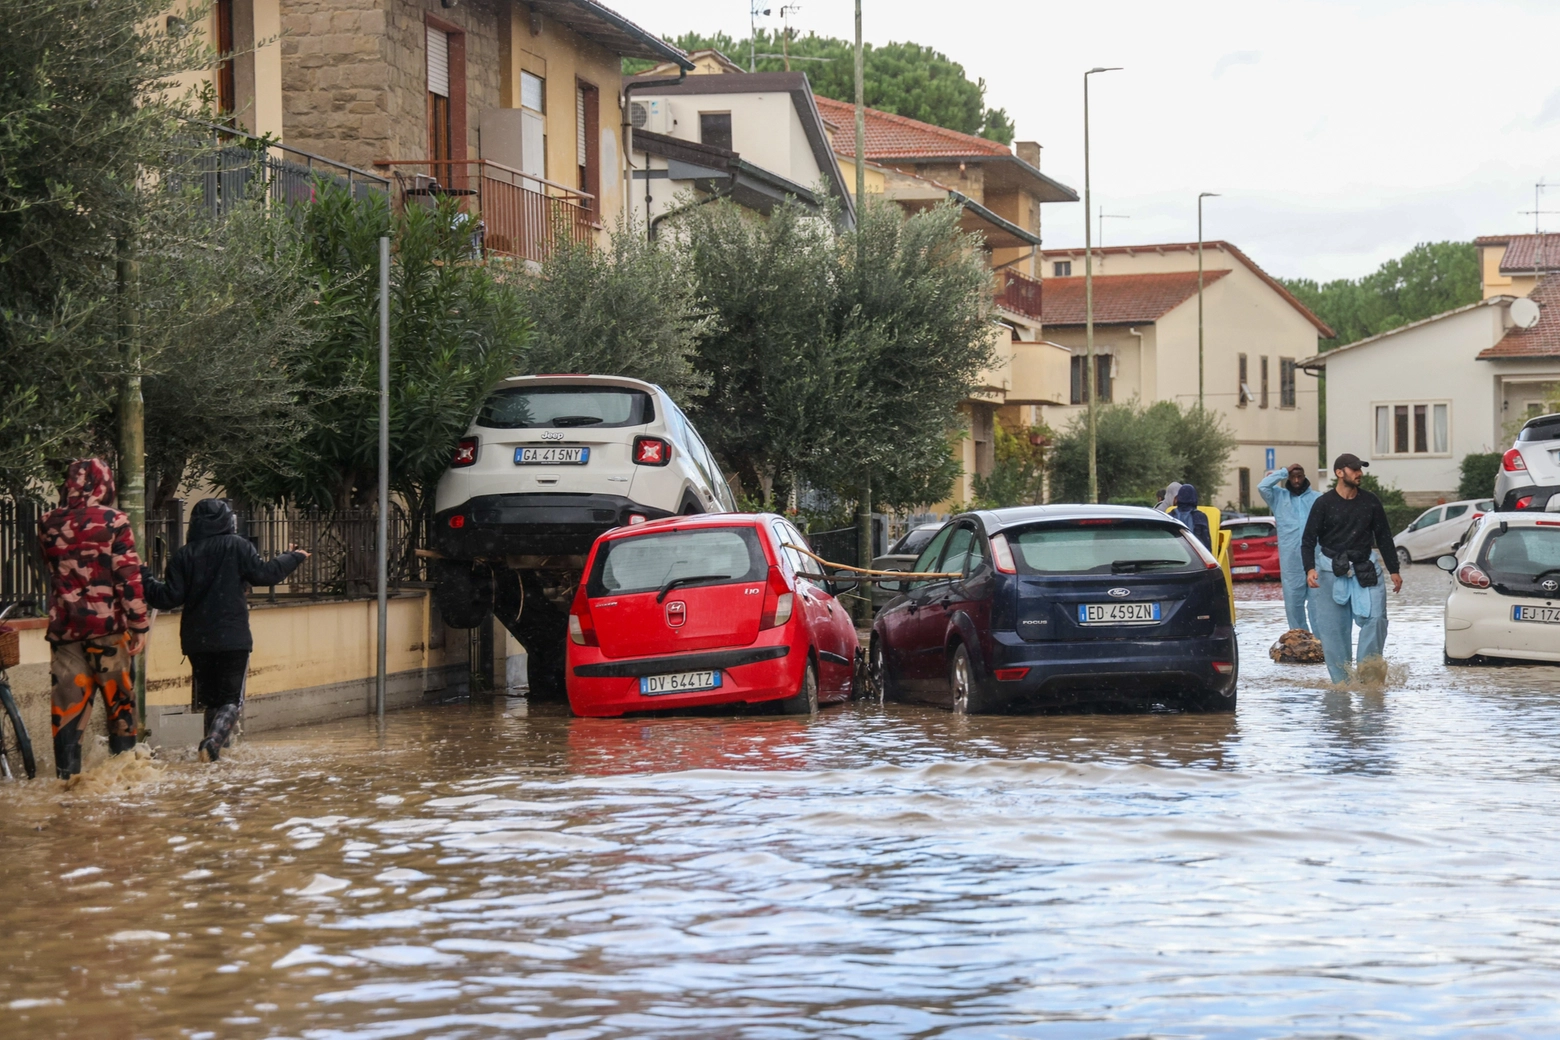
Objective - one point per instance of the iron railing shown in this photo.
(232, 166)
(514, 214)
(1018, 293)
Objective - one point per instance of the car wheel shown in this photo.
(877, 684)
(961, 680)
(805, 700)
(1403, 557)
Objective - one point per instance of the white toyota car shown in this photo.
(548, 465)
(1505, 597)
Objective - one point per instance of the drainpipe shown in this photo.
(628, 136)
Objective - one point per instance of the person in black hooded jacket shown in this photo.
(210, 578)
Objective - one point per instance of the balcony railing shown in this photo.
(1018, 293)
(232, 166)
(516, 214)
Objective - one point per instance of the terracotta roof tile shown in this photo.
(1523, 250)
(1121, 298)
(1543, 339)
(898, 137)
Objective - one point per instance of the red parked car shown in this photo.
(691, 611)
(1253, 548)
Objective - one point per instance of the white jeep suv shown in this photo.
(1529, 475)
(549, 464)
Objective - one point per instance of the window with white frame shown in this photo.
(1062, 268)
(1413, 428)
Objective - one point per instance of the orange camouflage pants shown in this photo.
(79, 671)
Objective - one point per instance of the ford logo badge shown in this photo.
(1120, 593)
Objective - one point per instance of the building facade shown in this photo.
(1255, 334)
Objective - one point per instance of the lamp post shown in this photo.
(1200, 197)
(1088, 294)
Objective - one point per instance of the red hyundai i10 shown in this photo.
(692, 611)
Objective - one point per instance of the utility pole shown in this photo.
(864, 496)
(130, 481)
(382, 535)
(753, 13)
(1088, 300)
(1204, 195)
(785, 32)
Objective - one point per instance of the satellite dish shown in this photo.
(1524, 313)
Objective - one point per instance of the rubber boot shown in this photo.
(118, 744)
(67, 758)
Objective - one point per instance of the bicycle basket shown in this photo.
(10, 647)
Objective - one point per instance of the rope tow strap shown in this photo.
(872, 575)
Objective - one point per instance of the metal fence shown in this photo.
(341, 544)
(232, 166)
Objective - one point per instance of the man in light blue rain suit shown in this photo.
(1289, 494)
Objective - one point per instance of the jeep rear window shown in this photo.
(564, 407)
(1103, 548)
(646, 562)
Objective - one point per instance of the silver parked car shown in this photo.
(1529, 474)
(1438, 529)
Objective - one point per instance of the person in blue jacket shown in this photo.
(1289, 496)
(1195, 519)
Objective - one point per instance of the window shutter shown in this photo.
(438, 63)
(579, 123)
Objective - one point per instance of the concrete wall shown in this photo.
(313, 661)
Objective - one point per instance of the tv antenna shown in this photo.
(754, 10)
(1103, 216)
(1536, 212)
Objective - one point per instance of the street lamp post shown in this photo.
(1088, 295)
(1204, 195)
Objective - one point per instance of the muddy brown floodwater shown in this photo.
(1359, 863)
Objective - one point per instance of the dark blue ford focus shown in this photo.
(1058, 606)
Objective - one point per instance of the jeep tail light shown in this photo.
(635, 518)
(1512, 462)
(465, 453)
(1002, 554)
(457, 521)
(1524, 501)
(1472, 577)
(1010, 674)
(779, 600)
(651, 451)
(582, 627)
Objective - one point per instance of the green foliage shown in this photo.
(629, 309)
(1429, 279)
(455, 330)
(1018, 477)
(907, 79)
(87, 106)
(830, 366)
(1140, 450)
(1479, 470)
(1399, 513)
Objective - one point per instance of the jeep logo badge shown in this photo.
(552, 435)
(1120, 593)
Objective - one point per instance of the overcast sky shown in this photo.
(1340, 134)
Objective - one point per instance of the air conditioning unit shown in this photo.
(652, 114)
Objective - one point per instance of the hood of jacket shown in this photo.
(212, 517)
(88, 483)
(1186, 497)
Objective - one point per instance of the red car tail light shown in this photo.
(1512, 462)
(465, 453)
(1472, 577)
(651, 451)
(779, 601)
(1002, 555)
(457, 521)
(1224, 667)
(1010, 674)
(582, 627)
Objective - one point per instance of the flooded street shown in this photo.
(1321, 864)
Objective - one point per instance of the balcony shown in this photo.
(1018, 293)
(517, 215)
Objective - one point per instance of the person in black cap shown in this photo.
(1345, 525)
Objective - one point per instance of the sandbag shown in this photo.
(1297, 646)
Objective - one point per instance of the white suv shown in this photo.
(1529, 475)
(549, 464)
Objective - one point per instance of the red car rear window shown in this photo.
(709, 555)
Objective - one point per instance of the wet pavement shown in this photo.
(1322, 864)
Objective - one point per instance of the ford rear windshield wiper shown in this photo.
(689, 580)
(576, 420)
(1132, 566)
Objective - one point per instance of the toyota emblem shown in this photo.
(676, 613)
(1120, 593)
(1549, 585)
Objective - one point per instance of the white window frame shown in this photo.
(1430, 405)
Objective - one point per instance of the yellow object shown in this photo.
(1221, 550)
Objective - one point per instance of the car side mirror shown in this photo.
(896, 585)
(839, 585)
(1447, 563)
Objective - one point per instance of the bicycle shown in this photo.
(18, 742)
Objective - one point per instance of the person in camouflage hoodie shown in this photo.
(97, 612)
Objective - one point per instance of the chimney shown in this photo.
(1029, 151)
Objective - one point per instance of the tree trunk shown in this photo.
(864, 548)
(130, 481)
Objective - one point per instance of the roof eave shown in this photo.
(649, 45)
(1001, 222)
